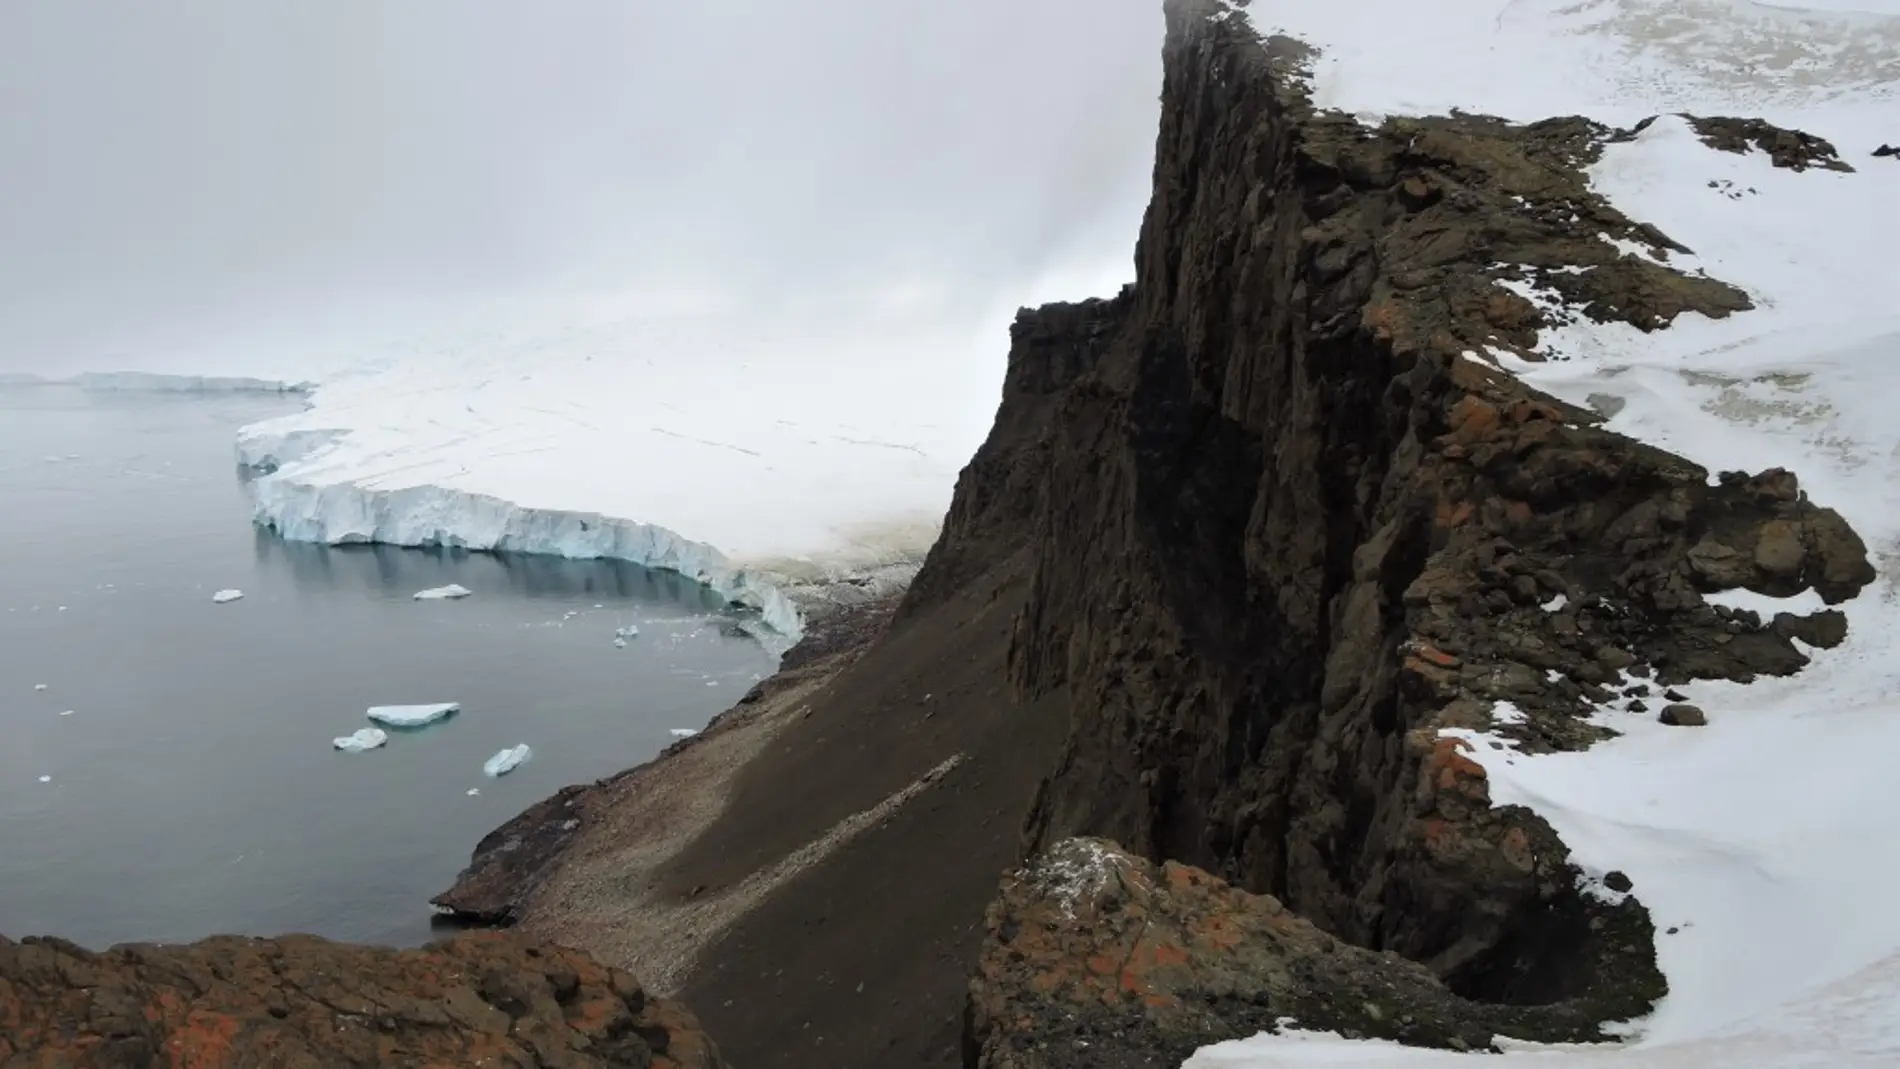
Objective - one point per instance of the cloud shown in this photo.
(168, 169)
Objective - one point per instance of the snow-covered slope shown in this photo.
(758, 458)
(1764, 844)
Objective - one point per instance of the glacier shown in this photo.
(1785, 951)
(783, 464)
(159, 382)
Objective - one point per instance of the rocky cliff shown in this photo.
(1289, 523)
(1247, 539)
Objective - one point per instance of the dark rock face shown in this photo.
(305, 1003)
(1792, 149)
(1097, 959)
(1285, 529)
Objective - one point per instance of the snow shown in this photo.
(712, 448)
(1765, 839)
(505, 762)
(362, 739)
(443, 593)
(412, 716)
(223, 597)
(682, 733)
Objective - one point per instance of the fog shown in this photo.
(173, 174)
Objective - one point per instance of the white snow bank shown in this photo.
(753, 459)
(505, 762)
(682, 733)
(360, 740)
(224, 596)
(1850, 1024)
(412, 716)
(443, 593)
(1764, 839)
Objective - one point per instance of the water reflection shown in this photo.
(400, 572)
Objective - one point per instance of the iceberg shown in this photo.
(443, 593)
(412, 716)
(362, 739)
(224, 596)
(505, 762)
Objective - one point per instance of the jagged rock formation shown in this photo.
(306, 1003)
(1290, 524)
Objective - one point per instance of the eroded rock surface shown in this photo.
(1097, 959)
(300, 1002)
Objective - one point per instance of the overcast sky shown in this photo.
(168, 169)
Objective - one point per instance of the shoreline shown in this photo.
(582, 867)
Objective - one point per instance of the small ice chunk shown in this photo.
(46, 779)
(712, 682)
(473, 791)
(443, 593)
(682, 733)
(66, 712)
(1556, 604)
(39, 686)
(224, 596)
(629, 631)
(412, 716)
(620, 643)
(504, 762)
(361, 740)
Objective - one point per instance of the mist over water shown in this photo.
(218, 184)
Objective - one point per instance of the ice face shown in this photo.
(412, 716)
(506, 761)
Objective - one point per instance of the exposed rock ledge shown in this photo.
(300, 1002)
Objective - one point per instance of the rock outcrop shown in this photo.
(300, 1002)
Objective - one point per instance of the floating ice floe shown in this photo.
(629, 631)
(504, 762)
(362, 739)
(46, 779)
(443, 593)
(223, 596)
(412, 716)
(39, 686)
(66, 712)
(682, 733)
(473, 791)
(620, 643)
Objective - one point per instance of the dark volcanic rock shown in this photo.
(1284, 530)
(1683, 716)
(1100, 960)
(1792, 149)
(305, 1003)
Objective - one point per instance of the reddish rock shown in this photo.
(300, 1002)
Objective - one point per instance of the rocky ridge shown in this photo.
(300, 1002)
